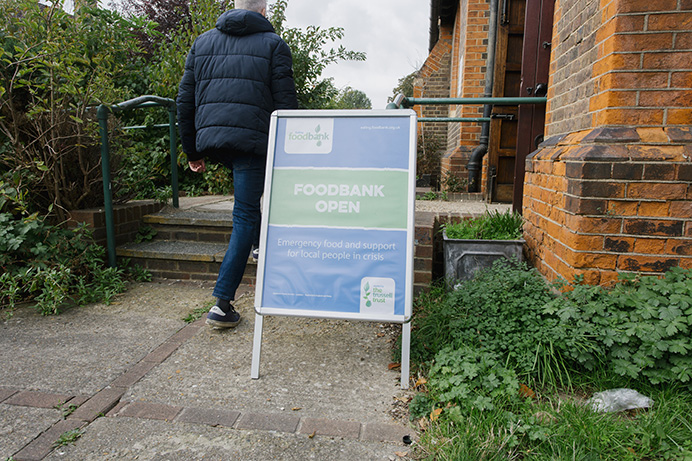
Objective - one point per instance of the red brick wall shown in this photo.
(620, 62)
(127, 219)
(611, 188)
(433, 82)
(574, 50)
(599, 202)
(469, 58)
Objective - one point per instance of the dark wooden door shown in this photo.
(534, 82)
(503, 127)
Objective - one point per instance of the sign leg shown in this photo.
(405, 354)
(257, 346)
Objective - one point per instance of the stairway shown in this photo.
(189, 244)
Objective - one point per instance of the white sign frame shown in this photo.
(406, 177)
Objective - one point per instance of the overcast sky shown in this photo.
(393, 34)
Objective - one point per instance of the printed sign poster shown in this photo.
(337, 230)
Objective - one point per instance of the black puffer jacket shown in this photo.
(235, 76)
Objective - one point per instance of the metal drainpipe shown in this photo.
(476, 160)
(434, 27)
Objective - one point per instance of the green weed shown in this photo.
(145, 234)
(66, 409)
(197, 313)
(69, 437)
(453, 183)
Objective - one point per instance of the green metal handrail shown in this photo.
(403, 102)
(455, 119)
(102, 114)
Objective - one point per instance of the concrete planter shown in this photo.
(463, 258)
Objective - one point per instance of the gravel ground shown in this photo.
(462, 206)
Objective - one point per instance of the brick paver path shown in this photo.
(107, 402)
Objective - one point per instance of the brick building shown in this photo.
(602, 173)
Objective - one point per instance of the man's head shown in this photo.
(259, 6)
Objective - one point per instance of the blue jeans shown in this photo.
(248, 186)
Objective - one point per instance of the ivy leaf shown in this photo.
(679, 347)
(676, 325)
(669, 313)
(625, 368)
(648, 311)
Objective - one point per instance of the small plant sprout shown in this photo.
(69, 437)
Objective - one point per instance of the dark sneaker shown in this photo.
(216, 318)
(255, 254)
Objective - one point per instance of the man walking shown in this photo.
(235, 76)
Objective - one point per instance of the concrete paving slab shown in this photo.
(84, 349)
(310, 367)
(175, 250)
(21, 425)
(129, 438)
(172, 390)
(225, 206)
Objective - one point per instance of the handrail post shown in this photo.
(102, 114)
(174, 154)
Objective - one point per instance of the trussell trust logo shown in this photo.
(309, 135)
(377, 295)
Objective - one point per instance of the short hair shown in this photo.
(252, 5)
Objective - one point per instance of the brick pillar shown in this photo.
(469, 60)
(610, 189)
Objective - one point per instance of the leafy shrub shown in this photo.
(508, 326)
(430, 196)
(499, 311)
(54, 69)
(144, 166)
(453, 183)
(641, 328)
(493, 225)
(430, 150)
(471, 378)
(45, 263)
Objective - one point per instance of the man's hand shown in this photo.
(198, 166)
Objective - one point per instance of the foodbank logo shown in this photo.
(315, 136)
(377, 295)
(309, 135)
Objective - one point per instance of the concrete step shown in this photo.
(191, 226)
(181, 260)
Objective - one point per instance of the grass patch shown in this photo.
(493, 225)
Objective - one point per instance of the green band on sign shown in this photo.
(339, 198)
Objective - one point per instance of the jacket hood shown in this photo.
(243, 22)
